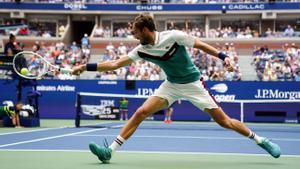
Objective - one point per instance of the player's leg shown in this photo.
(126, 114)
(165, 95)
(151, 105)
(121, 115)
(223, 120)
(166, 116)
(169, 114)
(13, 120)
(200, 97)
(18, 124)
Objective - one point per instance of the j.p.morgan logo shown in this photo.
(276, 94)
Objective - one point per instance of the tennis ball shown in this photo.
(24, 71)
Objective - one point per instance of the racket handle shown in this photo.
(65, 70)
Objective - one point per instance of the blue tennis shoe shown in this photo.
(103, 153)
(270, 147)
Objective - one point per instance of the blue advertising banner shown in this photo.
(59, 97)
(150, 7)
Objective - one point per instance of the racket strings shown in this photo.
(30, 65)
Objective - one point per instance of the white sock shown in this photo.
(117, 143)
(255, 137)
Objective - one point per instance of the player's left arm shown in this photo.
(214, 52)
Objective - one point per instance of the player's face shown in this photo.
(19, 106)
(141, 35)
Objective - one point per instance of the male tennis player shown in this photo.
(168, 50)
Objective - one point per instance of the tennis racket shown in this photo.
(31, 65)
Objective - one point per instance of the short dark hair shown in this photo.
(11, 37)
(144, 20)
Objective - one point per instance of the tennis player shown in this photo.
(168, 115)
(168, 50)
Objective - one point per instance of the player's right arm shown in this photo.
(103, 66)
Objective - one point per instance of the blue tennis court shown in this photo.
(156, 138)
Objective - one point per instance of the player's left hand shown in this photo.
(227, 65)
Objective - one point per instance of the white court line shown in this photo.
(45, 129)
(49, 138)
(29, 131)
(182, 137)
(147, 152)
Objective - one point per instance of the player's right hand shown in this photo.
(78, 69)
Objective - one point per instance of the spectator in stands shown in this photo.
(74, 47)
(268, 33)
(99, 32)
(46, 34)
(121, 73)
(37, 49)
(86, 53)
(154, 75)
(132, 68)
(106, 56)
(228, 76)
(12, 47)
(23, 31)
(85, 42)
(131, 76)
(277, 64)
(297, 76)
(61, 30)
(289, 31)
(110, 47)
(107, 32)
(204, 75)
(122, 49)
(273, 76)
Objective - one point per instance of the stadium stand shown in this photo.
(109, 36)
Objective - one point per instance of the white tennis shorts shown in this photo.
(195, 92)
